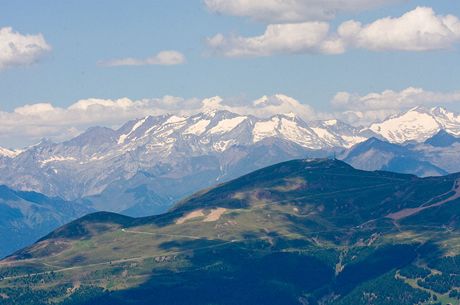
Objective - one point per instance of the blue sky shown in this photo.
(82, 34)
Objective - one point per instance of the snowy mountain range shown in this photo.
(144, 166)
(418, 124)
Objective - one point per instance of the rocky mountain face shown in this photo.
(300, 232)
(442, 139)
(436, 156)
(160, 159)
(147, 164)
(26, 216)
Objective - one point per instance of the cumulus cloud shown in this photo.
(418, 30)
(163, 58)
(17, 49)
(307, 37)
(363, 109)
(390, 99)
(30, 123)
(265, 106)
(277, 11)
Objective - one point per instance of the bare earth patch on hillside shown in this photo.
(291, 184)
(215, 215)
(191, 215)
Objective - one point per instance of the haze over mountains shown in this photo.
(147, 164)
(27, 216)
(148, 156)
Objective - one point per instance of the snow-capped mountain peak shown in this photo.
(123, 137)
(5, 152)
(449, 121)
(417, 124)
(288, 127)
(105, 155)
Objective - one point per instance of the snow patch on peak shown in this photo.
(5, 152)
(57, 159)
(198, 128)
(175, 119)
(324, 134)
(351, 141)
(265, 129)
(227, 125)
(123, 137)
(413, 125)
(290, 130)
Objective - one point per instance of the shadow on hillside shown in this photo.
(246, 273)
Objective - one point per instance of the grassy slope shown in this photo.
(297, 232)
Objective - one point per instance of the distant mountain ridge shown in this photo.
(437, 156)
(26, 216)
(442, 139)
(170, 147)
(139, 166)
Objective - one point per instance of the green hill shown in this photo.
(299, 232)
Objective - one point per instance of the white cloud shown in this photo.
(307, 37)
(265, 106)
(17, 49)
(29, 123)
(279, 11)
(418, 30)
(35, 109)
(163, 58)
(390, 99)
(373, 107)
